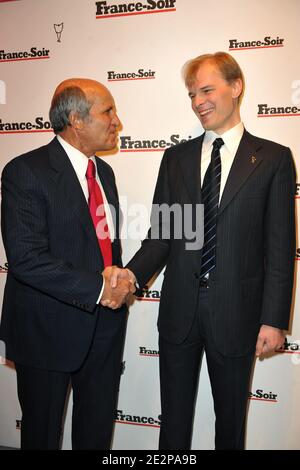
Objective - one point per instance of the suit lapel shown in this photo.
(190, 166)
(68, 187)
(108, 184)
(245, 162)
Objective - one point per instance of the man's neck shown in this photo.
(72, 139)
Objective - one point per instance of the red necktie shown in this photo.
(96, 207)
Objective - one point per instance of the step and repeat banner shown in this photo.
(137, 50)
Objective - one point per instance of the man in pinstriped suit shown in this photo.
(53, 324)
(240, 305)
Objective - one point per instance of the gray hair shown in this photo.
(70, 99)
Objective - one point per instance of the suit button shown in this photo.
(196, 275)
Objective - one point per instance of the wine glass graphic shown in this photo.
(58, 29)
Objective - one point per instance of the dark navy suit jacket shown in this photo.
(53, 282)
(253, 279)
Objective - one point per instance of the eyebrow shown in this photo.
(203, 88)
(108, 108)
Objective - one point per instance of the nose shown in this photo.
(198, 101)
(115, 120)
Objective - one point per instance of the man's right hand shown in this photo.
(118, 284)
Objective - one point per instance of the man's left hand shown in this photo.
(269, 339)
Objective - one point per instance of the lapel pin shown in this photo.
(253, 159)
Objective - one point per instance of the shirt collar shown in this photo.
(77, 158)
(231, 138)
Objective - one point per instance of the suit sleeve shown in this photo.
(279, 238)
(25, 237)
(153, 253)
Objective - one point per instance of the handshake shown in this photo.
(119, 284)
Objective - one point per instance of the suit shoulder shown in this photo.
(183, 148)
(26, 159)
(268, 144)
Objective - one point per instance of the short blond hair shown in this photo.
(225, 63)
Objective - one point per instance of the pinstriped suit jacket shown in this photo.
(253, 279)
(49, 308)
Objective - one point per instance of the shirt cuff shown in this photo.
(101, 292)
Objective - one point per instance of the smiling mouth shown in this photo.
(205, 112)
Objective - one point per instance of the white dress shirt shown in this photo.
(231, 140)
(79, 162)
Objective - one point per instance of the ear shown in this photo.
(237, 88)
(75, 121)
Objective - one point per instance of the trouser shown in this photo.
(179, 373)
(42, 393)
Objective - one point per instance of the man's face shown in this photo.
(99, 129)
(214, 100)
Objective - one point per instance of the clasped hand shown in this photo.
(119, 284)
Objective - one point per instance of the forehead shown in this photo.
(206, 74)
(101, 98)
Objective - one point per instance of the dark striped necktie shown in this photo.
(210, 199)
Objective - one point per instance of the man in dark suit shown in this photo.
(231, 298)
(58, 240)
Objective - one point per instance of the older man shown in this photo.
(60, 230)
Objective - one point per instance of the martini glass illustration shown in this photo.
(58, 29)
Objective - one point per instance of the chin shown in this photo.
(206, 125)
(111, 147)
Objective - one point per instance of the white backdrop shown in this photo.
(138, 55)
